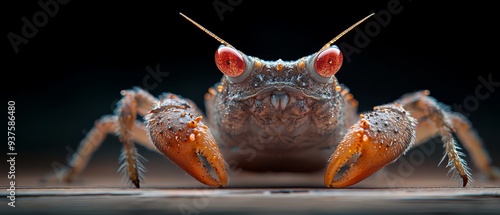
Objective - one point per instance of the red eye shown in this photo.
(328, 62)
(229, 61)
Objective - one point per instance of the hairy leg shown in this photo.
(124, 125)
(435, 119)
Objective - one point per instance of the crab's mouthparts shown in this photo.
(279, 100)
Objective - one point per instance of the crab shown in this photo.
(292, 115)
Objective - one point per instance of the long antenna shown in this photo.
(327, 45)
(207, 31)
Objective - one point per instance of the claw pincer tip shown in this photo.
(378, 139)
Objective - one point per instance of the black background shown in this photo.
(71, 72)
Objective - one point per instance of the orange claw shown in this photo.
(379, 138)
(181, 136)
